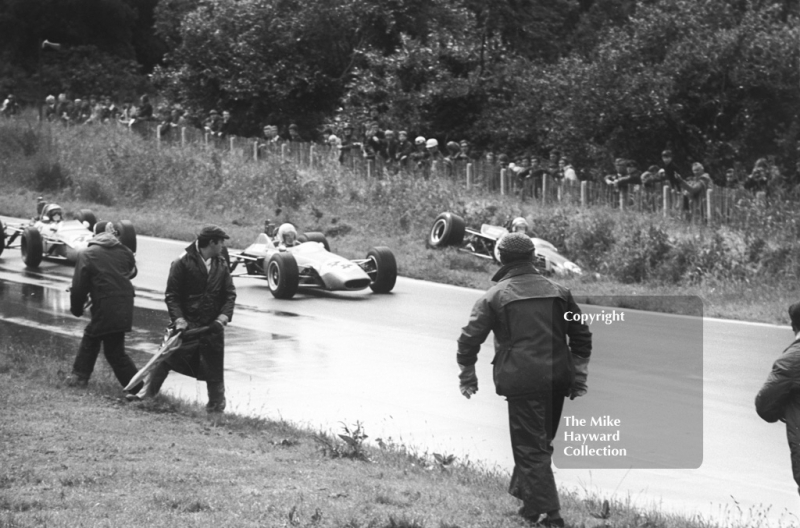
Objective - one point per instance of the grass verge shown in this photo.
(85, 457)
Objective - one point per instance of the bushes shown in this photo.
(590, 238)
(638, 254)
(109, 166)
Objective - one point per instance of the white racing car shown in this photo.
(288, 262)
(49, 236)
(449, 229)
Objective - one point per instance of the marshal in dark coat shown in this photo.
(200, 296)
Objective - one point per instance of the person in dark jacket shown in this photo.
(779, 398)
(200, 293)
(103, 272)
(540, 358)
(671, 172)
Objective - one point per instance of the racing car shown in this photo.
(449, 229)
(50, 236)
(289, 261)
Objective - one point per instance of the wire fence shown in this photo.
(718, 205)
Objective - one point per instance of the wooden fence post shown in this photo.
(158, 137)
(544, 188)
(623, 194)
(559, 196)
(284, 146)
(311, 152)
(469, 176)
(665, 201)
(584, 185)
(502, 182)
(370, 168)
(255, 150)
(709, 206)
(183, 137)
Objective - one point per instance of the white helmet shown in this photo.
(51, 211)
(519, 225)
(431, 143)
(287, 234)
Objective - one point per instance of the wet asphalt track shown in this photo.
(389, 362)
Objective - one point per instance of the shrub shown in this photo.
(637, 253)
(589, 237)
(49, 175)
(677, 262)
(554, 226)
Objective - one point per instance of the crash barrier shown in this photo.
(734, 207)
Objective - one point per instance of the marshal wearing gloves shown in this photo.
(540, 358)
(200, 293)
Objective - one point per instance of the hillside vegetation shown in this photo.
(597, 79)
(170, 192)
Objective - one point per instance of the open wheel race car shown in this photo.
(450, 230)
(307, 261)
(49, 236)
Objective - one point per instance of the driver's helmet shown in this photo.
(52, 213)
(519, 225)
(287, 235)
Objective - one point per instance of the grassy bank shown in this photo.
(84, 457)
(746, 274)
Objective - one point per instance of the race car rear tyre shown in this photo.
(127, 234)
(315, 236)
(86, 215)
(2, 237)
(32, 247)
(283, 276)
(386, 266)
(448, 229)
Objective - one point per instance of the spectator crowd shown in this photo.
(395, 150)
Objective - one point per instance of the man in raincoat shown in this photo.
(779, 398)
(104, 271)
(199, 292)
(540, 358)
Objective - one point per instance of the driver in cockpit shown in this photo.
(519, 225)
(286, 237)
(52, 214)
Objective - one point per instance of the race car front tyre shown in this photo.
(87, 216)
(283, 276)
(127, 234)
(386, 269)
(2, 237)
(315, 236)
(448, 229)
(32, 247)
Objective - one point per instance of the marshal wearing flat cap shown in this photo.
(212, 232)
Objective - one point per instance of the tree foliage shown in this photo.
(715, 83)
(114, 37)
(717, 80)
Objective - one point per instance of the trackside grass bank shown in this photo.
(750, 273)
(85, 457)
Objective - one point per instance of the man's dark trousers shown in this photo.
(533, 422)
(114, 350)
